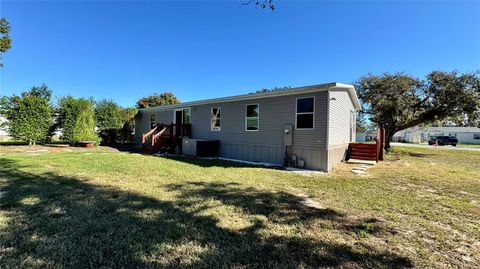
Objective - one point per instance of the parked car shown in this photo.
(443, 140)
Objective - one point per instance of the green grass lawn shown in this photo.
(468, 145)
(77, 208)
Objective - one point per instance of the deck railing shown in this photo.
(367, 151)
(163, 135)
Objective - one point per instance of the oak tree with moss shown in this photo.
(399, 101)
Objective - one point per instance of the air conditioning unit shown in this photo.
(200, 147)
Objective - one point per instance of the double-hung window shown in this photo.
(305, 113)
(252, 117)
(476, 136)
(215, 119)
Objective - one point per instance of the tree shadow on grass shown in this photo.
(57, 221)
(214, 162)
(277, 207)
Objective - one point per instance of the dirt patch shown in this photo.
(38, 149)
(37, 152)
(418, 155)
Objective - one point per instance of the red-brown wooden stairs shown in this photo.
(164, 137)
(366, 151)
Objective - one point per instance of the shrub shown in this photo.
(84, 129)
(29, 115)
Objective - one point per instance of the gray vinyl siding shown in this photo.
(274, 114)
(142, 122)
(266, 144)
(341, 107)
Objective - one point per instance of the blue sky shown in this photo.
(128, 49)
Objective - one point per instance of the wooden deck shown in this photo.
(367, 151)
(165, 137)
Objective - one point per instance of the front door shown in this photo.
(182, 117)
(178, 117)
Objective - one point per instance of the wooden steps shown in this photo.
(363, 155)
(164, 138)
(368, 151)
(361, 151)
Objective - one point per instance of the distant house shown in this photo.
(466, 135)
(366, 136)
(312, 124)
(4, 133)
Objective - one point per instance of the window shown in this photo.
(152, 121)
(186, 116)
(305, 113)
(251, 117)
(476, 136)
(215, 119)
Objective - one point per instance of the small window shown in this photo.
(186, 116)
(251, 117)
(476, 136)
(215, 119)
(305, 113)
(152, 121)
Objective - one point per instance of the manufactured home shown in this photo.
(465, 135)
(308, 127)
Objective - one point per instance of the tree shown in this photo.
(113, 120)
(84, 129)
(128, 117)
(264, 4)
(67, 116)
(361, 123)
(29, 115)
(274, 89)
(69, 111)
(5, 40)
(396, 102)
(166, 98)
(461, 120)
(109, 120)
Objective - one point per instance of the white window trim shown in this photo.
(211, 119)
(181, 109)
(303, 113)
(258, 117)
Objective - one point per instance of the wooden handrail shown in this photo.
(148, 134)
(156, 136)
(151, 139)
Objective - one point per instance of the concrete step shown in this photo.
(363, 162)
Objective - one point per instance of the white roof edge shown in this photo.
(250, 96)
(352, 92)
